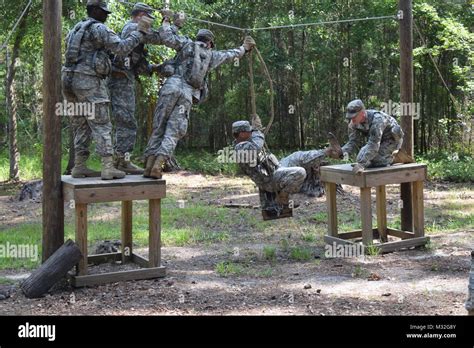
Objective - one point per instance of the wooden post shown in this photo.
(418, 209)
(366, 215)
(332, 209)
(53, 206)
(81, 236)
(381, 198)
(155, 233)
(406, 96)
(127, 239)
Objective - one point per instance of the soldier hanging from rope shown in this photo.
(186, 86)
(275, 179)
(125, 70)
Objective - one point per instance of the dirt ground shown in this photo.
(431, 281)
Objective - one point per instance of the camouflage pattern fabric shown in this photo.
(384, 137)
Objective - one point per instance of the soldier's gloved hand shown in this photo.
(166, 14)
(249, 43)
(358, 169)
(179, 19)
(144, 25)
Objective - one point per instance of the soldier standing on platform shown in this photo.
(87, 66)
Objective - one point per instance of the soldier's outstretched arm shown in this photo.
(169, 37)
(113, 42)
(373, 145)
(226, 56)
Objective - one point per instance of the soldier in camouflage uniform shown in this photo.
(276, 179)
(385, 137)
(187, 86)
(125, 69)
(83, 76)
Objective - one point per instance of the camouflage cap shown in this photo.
(353, 108)
(241, 126)
(99, 3)
(140, 6)
(206, 34)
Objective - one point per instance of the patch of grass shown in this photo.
(205, 162)
(372, 250)
(321, 217)
(300, 254)
(6, 281)
(269, 253)
(309, 237)
(360, 272)
(456, 167)
(265, 273)
(27, 235)
(227, 268)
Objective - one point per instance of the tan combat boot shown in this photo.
(80, 169)
(334, 150)
(108, 170)
(127, 166)
(156, 171)
(401, 156)
(150, 162)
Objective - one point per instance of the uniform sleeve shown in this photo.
(169, 37)
(373, 145)
(156, 38)
(255, 143)
(353, 142)
(221, 57)
(113, 42)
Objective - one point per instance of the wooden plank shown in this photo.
(140, 260)
(81, 236)
(127, 239)
(381, 198)
(366, 215)
(155, 232)
(331, 208)
(347, 168)
(400, 234)
(113, 277)
(402, 244)
(395, 177)
(346, 178)
(104, 258)
(129, 180)
(123, 193)
(350, 235)
(418, 209)
(330, 240)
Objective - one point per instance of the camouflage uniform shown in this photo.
(384, 137)
(121, 85)
(176, 97)
(286, 176)
(85, 84)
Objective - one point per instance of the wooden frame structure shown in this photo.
(81, 192)
(414, 173)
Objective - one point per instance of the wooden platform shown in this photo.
(81, 192)
(376, 177)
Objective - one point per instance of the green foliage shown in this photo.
(300, 253)
(457, 167)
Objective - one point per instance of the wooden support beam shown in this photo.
(332, 208)
(381, 204)
(155, 233)
(81, 236)
(127, 239)
(406, 96)
(113, 277)
(403, 244)
(366, 215)
(53, 207)
(418, 209)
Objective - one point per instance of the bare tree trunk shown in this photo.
(12, 107)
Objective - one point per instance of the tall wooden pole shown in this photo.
(53, 206)
(406, 96)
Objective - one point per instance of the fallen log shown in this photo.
(52, 271)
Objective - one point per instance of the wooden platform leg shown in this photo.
(81, 236)
(366, 215)
(418, 209)
(155, 233)
(332, 209)
(381, 198)
(127, 239)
